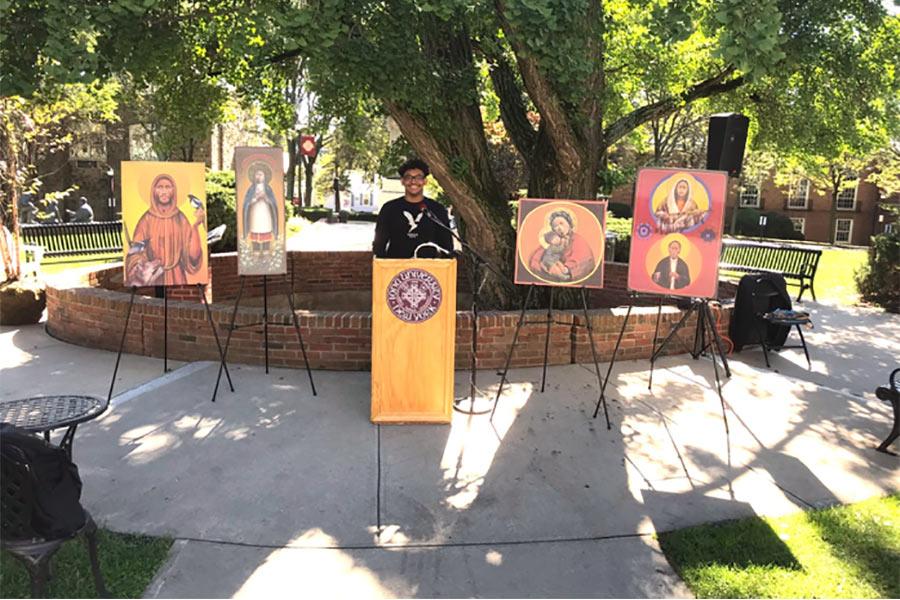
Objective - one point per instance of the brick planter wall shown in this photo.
(90, 309)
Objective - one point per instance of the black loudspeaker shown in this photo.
(725, 143)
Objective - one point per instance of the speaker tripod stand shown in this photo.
(706, 340)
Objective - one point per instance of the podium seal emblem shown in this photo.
(414, 295)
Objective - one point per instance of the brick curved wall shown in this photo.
(89, 309)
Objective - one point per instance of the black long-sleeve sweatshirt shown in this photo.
(402, 226)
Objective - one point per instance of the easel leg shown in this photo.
(655, 339)
(512, 348)
(165, 329)
(717, 339)
(228, 339)
(612, 361)
(547, 339)
(699, 334)
(215, 335)
(600, 382)
(266, 319)
(112, 383)
(290, 300)
(706, 314)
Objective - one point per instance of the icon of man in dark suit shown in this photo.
(672, 272)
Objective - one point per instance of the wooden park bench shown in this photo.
(797, 264)
(74, 239)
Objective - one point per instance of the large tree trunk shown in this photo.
(474, 193)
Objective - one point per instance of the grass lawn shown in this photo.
(54, 266)
(834, 278)
(128, 564)
(842, 552)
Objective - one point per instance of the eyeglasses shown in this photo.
(414, 178)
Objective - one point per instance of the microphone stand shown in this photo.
(477, 261)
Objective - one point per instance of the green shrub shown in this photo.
(622, 228)
(314, 213)
(220, 198)
(778, 226)
(879, 279)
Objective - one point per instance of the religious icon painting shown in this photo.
(560, 243)
(259, 179)
(164, 223)
(676, 234)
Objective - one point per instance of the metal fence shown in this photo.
(74, 239)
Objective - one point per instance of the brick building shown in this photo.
(857, 215)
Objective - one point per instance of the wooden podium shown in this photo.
(413, 340)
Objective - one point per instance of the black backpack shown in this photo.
(56, 509)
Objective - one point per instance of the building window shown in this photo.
(888, 227)
(843, 230)
(799, 224)
(140, 144)
(798, 197)
(750, 194)
(846, 198)
(89, 145)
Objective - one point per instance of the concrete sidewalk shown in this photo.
(272, 490)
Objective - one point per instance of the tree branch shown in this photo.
(512, 108)
(714, 85)
(553, 116)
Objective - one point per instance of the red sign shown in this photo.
(308, 145)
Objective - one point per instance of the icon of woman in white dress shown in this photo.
(260, 210)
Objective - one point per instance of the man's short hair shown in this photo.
(414, 163)
(565, 215)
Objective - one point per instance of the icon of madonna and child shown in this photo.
(560, 243)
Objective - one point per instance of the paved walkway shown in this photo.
(271, 489)
(321, 236)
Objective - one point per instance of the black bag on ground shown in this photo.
(758, 293)
(57, 511)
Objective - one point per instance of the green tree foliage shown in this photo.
(220, 202)
(33, 129)
(571, 78)
(177, 111)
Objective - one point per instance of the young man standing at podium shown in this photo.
(407, 222)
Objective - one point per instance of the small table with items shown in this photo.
(43, 414)
(785, 318)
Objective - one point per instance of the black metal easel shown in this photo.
(706, 337)
(166, 336)
(549, 321)
(265, 325)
